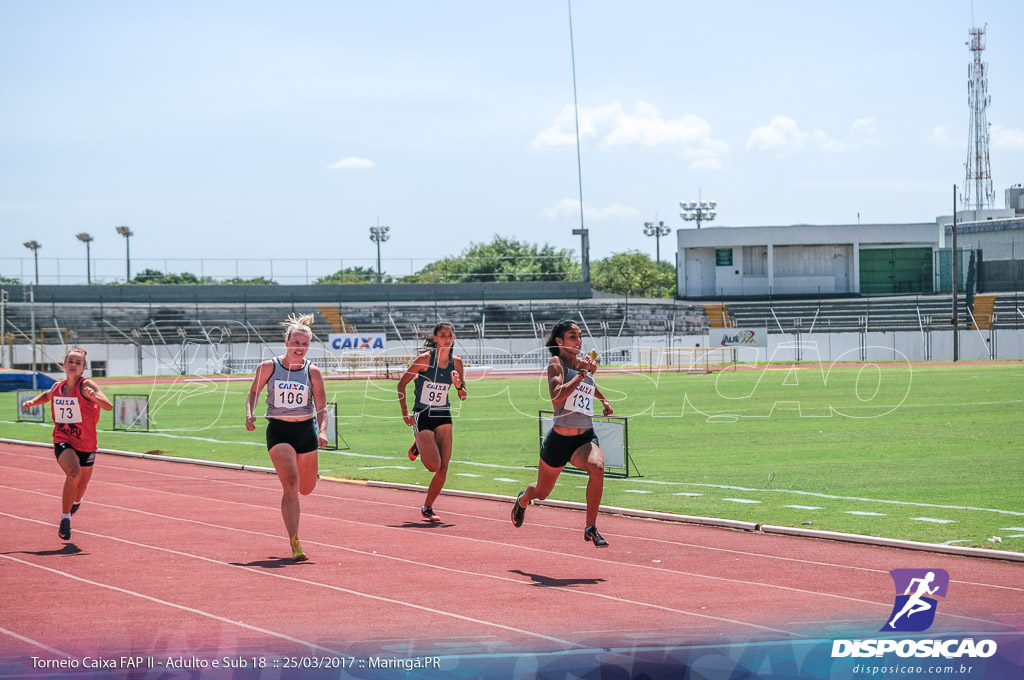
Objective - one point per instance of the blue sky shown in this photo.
(257, 130)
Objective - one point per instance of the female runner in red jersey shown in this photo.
(76, 403)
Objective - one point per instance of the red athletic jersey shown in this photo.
(74, 418)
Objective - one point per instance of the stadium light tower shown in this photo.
(698, 211)
(127, 233)
(86, 239)
(378, 235)
(657, 231)
(34, 246)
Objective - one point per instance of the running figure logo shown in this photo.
(914, 610)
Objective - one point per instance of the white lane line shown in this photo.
(714, 486)
(934, 520)
(635, 491)
(1011, 528)
(886, 605)
(36, 643)
(865, 514)
(466, 474)
(804, 507)
(683, 493)
(505, 479)
(695, 546)
(740, 500)
(252, 570)
(157, 600)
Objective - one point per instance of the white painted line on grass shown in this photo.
(803, 507)
(865, 514)
(934, 520)
(635, 491)
(506, 479)
(740, 500)
(684, 493)
(466, 474)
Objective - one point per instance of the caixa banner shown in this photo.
(738, 337)
(359, 342)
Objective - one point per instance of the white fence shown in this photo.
(218, 358)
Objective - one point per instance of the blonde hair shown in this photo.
(298, 323)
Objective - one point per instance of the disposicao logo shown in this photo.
(915, 607)
(913, 612)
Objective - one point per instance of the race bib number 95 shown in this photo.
(581, 400)
(67, 410)
(291, 394)
(434, 394)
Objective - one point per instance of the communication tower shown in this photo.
(979, 171)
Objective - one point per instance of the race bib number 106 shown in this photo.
(291, 394)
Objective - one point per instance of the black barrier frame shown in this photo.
(622, 472)
(130, 427)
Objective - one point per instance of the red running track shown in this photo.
(169, 558)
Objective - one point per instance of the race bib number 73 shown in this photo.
(67, 410)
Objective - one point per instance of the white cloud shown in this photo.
(941, 134)
(865, 126)
(570, 207)
(645, 126)
(781, 136)
(351, 163)
(1007, 138)
(784, 137)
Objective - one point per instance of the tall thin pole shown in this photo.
(582, 232)
(956, 317)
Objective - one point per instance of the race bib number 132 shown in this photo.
(581, 400)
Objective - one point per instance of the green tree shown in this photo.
(155, 277)
(503, 259)
(256, 281)
(633, 273)
(354, 275)
(10, 280)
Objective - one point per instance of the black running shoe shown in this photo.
(590, 534)
(414, 452)
(74, 508)
(428, 513)
(65, 529)
(518, 511)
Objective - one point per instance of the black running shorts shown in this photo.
(302, 435)
(430, 419)
(557, 449)
(84, 459)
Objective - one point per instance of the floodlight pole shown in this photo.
(34, 246)
(127, 233)
(657, 231)
(87, 240)
(698, 211)
(378, 234)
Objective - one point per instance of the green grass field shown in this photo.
(901, 444)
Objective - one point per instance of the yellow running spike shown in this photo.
(298, 554)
